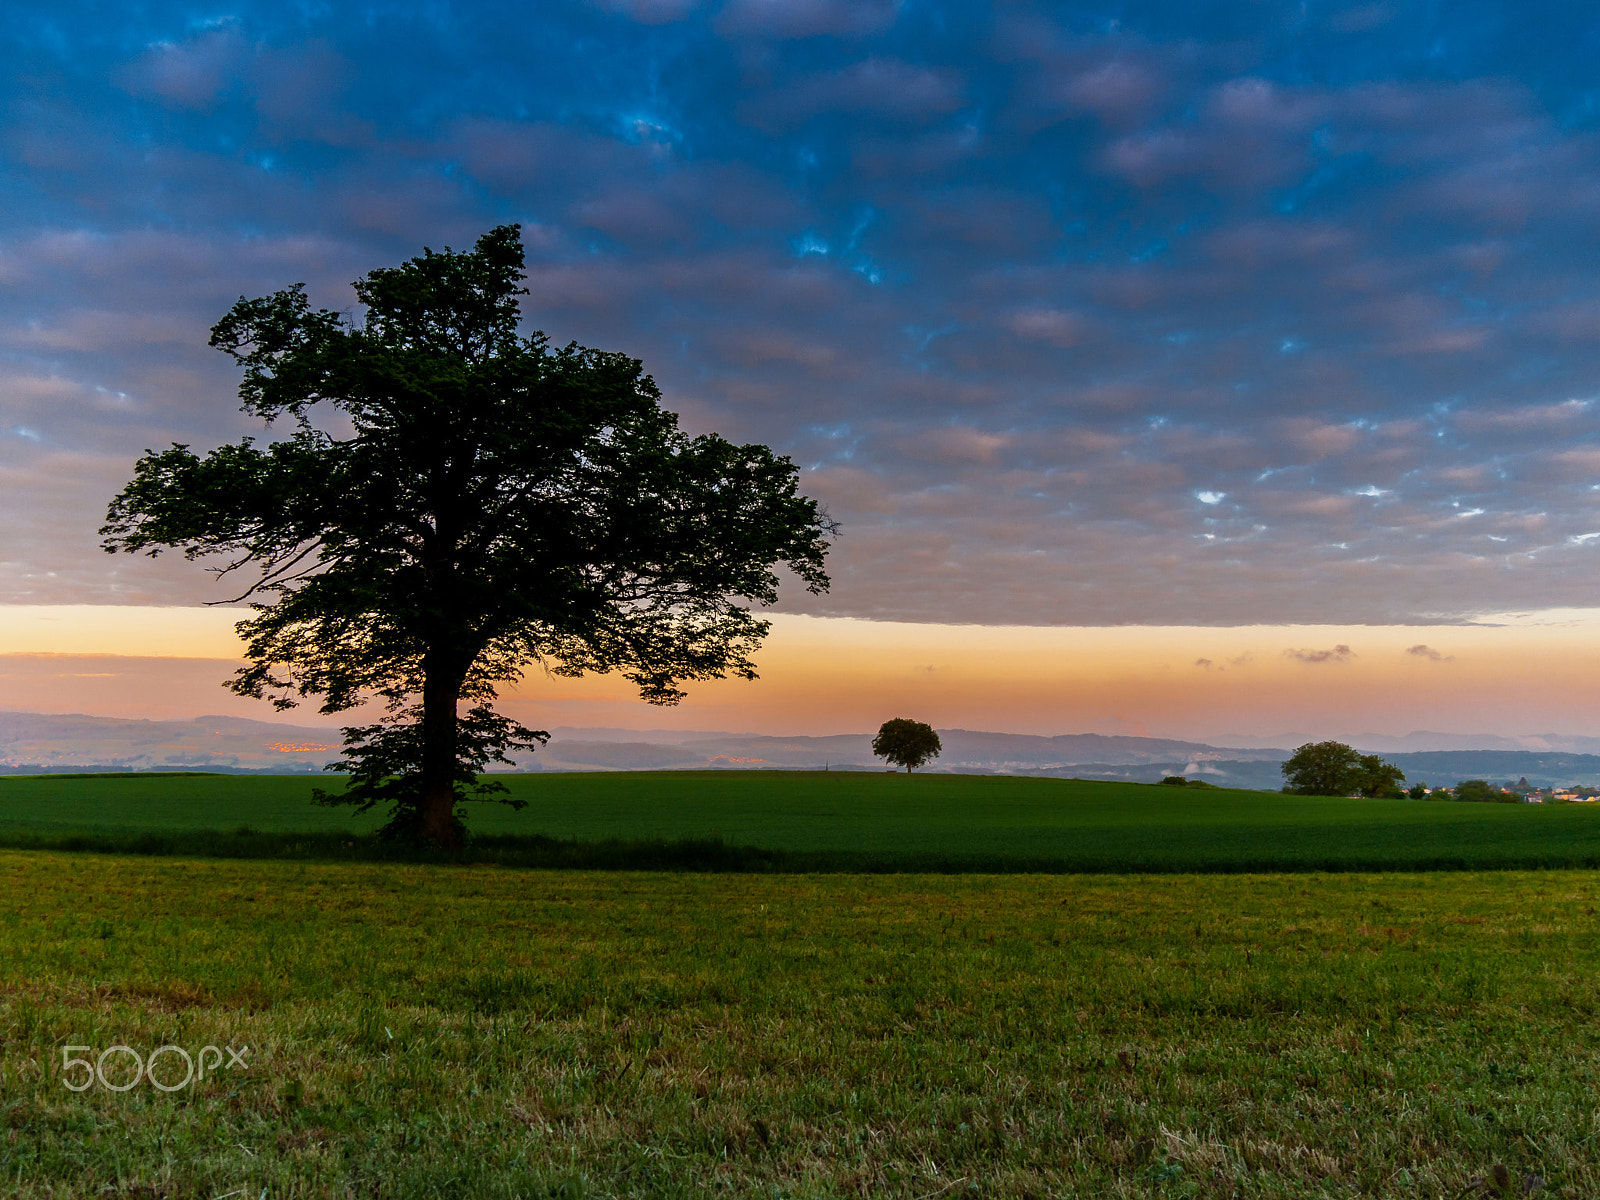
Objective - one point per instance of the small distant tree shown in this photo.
(906, 743)
(1481, 791)
(1418, 790)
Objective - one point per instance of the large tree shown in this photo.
(1322, 769)
(478, 503)
(1335, 769)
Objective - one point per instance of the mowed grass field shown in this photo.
(832, 821)
(445, 1031)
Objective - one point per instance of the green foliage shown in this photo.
(1174, 781)
(906, 743)
(498, 504)
(1335, 769)
(803, 1035)
(1321, 769)
(1479, 791)
(1377, 779)
(384, 762)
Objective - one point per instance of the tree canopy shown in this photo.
(489, 504)
(1335, 769)
(906, 743)
(1378, 779)
(1481, 791)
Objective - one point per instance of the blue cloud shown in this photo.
(1055, 274)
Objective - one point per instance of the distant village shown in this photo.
(1521, 792)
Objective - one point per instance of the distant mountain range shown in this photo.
(1424, 741)
(964, 750)
(214, 743)
(31, 742)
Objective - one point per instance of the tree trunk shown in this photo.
(441, 689)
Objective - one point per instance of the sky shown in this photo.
(1114, 335)
(1527, 675)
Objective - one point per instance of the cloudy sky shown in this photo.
(1195, 314)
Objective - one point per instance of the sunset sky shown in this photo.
(1200, 369)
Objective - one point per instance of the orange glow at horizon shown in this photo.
(1519, 674)
(134, 631)
(836, 676)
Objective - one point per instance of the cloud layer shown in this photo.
(1206, 314)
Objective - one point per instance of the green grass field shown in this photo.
(835, 821)
(424, 1031)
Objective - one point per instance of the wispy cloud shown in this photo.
(1339, 654)
(1421, 650)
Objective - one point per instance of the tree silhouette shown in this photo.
(489, 504)
(906, 743)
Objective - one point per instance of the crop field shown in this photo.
(824, 821)
(441, 1031)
